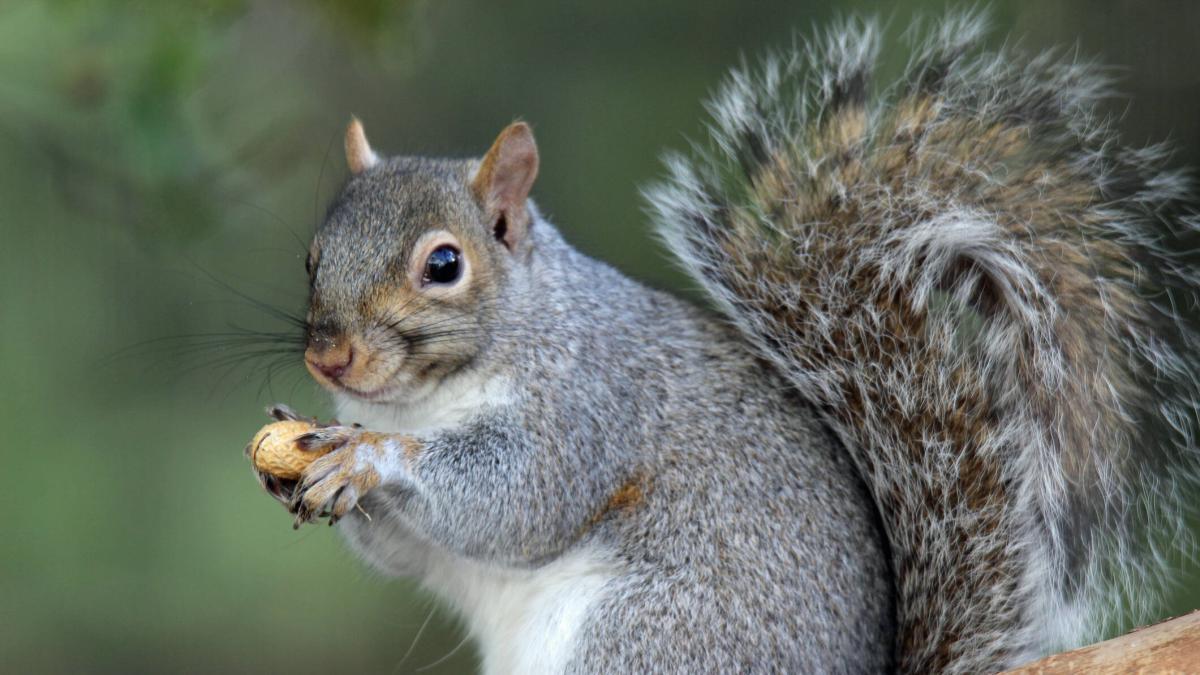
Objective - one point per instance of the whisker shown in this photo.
(442, 660)
(320, 178)
(416, 638)
(274, 216)
(272, 310)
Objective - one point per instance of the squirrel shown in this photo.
(946, 390)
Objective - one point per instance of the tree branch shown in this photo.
(1170, 646)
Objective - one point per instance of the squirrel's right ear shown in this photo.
(359, 155)
(503, 181)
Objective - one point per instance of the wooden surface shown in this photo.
(1169, 647)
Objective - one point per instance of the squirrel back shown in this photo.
(976, 287)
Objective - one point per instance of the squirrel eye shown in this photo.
(443, 266)
(310, 265)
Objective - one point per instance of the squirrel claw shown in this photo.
(282, 412)
(332, 485)
(326, 438)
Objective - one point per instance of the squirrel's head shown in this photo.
(405, 270)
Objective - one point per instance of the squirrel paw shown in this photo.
(333, 484)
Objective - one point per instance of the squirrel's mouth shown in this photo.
(361, 372)
(339, 386)
(371, 395)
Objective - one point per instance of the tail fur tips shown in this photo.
(977, 285)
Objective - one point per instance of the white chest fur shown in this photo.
(525, 621)
(452, 402)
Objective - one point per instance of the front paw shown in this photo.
(333, 484)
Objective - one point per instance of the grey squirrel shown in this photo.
(946, 388)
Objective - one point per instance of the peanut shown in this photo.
(274, 451)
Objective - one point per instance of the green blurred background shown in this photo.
(159, 159)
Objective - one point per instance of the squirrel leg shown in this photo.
(465, 489)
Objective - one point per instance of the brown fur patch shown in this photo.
(625, 498)
(412, 449)
(628, 496)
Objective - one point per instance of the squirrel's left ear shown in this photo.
(359, 155)
(503, 181)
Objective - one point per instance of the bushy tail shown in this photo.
(977, 287)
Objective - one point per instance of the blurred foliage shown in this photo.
(160, 163)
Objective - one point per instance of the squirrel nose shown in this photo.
(331, 359)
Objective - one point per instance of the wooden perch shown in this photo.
(1169, 647)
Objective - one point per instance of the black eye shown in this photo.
(443, 266)
(310, 265)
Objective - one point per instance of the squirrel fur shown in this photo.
(943, 420)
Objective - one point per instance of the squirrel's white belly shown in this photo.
(525, 621)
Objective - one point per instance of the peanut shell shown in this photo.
(274, 451)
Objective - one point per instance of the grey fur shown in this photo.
(754, 547)
(913, 368)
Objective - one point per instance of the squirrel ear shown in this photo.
(359, 156)
(504, 179)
